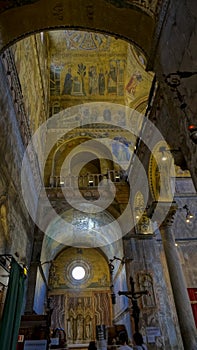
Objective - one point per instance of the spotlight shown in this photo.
(189, 215)
(164, 152)
(164, 157)
(193, 133)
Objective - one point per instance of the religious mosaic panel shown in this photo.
(95, 67)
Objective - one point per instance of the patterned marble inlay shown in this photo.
(86, 40)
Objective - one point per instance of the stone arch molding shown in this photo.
(125, 22)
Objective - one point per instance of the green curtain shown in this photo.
(11, 317)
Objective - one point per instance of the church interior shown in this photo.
(98, 173)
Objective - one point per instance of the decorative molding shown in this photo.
(7, 5)
(17, 97)
(16, 93)
(150, 7)
(169, 219)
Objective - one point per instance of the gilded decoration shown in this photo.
(86, 40)
(161, 174)
(80, 304)
(4, 218)
(91, 67)
(143, 223)
(95, 266)
(95, 67)
(137, 81)
(83, 313)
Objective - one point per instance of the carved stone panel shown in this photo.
(78, 314)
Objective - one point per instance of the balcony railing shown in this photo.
(88, 180)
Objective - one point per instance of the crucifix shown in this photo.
(134, 295)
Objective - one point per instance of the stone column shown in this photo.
(181, 298)
(32, 275)
(31, 288)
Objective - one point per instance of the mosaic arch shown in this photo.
(22, 18)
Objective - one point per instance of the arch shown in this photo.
(106, 230)
(93, 166)
(77, 315)
(97, 150)
(126, 22)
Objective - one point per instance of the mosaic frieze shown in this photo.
(81, 79)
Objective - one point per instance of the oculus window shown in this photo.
(78, 273)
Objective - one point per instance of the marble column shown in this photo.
(181, 298)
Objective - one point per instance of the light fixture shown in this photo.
(164, 151)
(111, 269)
(6, 264)
(174, 79)
(163, 156)
(193, 133)
(117, 177)
(123, 260)
(189, 215)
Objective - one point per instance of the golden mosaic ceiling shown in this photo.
(87, 67)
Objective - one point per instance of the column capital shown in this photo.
(162, 212)
(169, 218)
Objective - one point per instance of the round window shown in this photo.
(78, 273)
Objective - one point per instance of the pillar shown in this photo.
(181, 298)
(32, 275)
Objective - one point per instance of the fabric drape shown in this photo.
(10, 321)
(193, 298)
